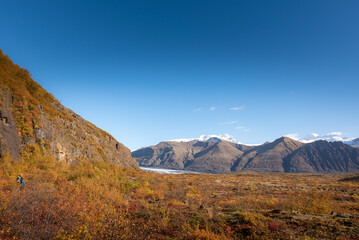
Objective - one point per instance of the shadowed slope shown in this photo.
(324, 157)
(267, 157)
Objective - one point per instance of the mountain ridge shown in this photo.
(282, 155)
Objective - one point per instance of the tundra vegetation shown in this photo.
(98, 200)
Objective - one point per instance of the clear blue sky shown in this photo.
(153, 70)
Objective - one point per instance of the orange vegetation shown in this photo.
(97, 200)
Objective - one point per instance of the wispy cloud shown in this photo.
(212, 108)
(241, 128)
(197, 109)
(228, 123)
(237, 108)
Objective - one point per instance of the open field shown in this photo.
(97, 200)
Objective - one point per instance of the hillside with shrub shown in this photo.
(32, 120)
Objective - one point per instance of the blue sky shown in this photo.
(153, 70)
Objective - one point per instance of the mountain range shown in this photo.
(216, 155)
(33, 121)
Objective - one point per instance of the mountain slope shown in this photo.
(282, 155)
(267, 157)
(325, 157)
(214, 155)
(32, 120)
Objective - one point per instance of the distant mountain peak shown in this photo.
(286, 140)
(209, 153)
(208, 138)
(330, 137)
(283, 138)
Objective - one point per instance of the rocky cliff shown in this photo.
(34, 120)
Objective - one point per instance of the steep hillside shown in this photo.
(33, 121)
(267, 157)
(323, 157)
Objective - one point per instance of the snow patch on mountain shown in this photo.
(204, 138)
(330, 137)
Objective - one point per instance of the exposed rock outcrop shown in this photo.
(9, 137)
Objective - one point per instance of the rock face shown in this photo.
(31, 117)
(282, 155)
(9, 138)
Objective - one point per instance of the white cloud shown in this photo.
(241, 128)
(294, 136)
(228, 123)
(335, 134)
(332, 136)
(197, 109)
(237, 108)
(212, 108)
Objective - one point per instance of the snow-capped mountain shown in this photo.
(330, 137)
(354, 142)
(213, 155)
(207, 138)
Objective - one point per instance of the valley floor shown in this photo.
(96, 200)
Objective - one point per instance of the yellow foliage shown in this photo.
(98, 200)
(202, 234)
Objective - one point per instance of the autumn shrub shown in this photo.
(37, 212)
(98, 200)
(312, 203)
(203, 234)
